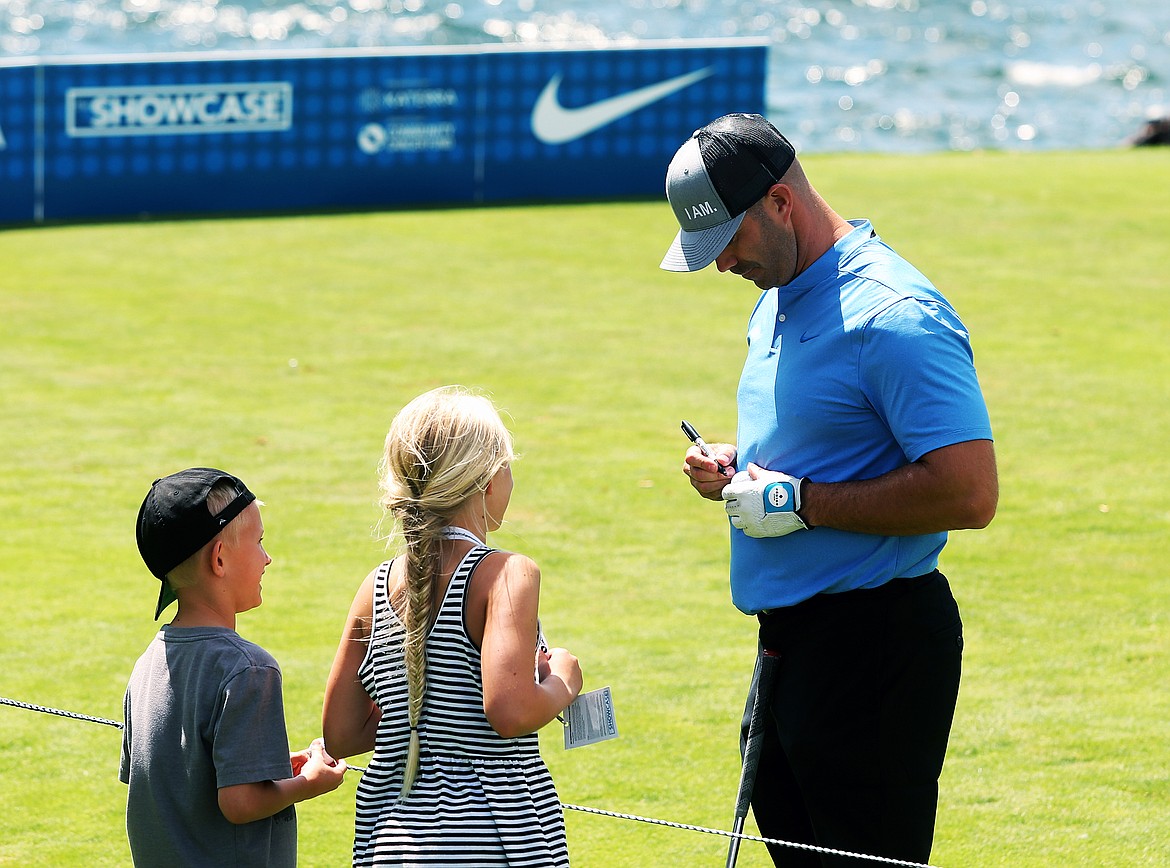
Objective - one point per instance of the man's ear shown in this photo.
(779, 199)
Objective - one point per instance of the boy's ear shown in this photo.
(215, 557)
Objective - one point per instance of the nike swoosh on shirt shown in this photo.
(554, 124)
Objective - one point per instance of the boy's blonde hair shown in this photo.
(442, 450)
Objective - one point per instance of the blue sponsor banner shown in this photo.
(18, 143)
(213, 133)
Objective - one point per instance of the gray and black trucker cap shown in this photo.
(720, 171)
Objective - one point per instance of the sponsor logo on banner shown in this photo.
(412, 133)
(411, 98)
(554, 124)
(407, 136)
(158, 110)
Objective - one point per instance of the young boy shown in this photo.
(204, 749)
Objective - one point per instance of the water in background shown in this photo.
(859, 75)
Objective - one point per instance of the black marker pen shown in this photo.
(690, 431)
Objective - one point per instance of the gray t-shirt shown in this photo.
(203, 710)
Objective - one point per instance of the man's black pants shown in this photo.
(862, 704)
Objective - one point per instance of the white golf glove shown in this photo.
(765, 506)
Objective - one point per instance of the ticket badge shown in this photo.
(590, 719)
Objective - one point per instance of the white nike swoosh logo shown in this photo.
(554, 124)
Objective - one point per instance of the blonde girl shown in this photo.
(441, 670)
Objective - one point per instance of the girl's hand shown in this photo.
(566, 667)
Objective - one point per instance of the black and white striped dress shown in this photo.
(478, 799)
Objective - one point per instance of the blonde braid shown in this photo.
(443, 448)
(421, 532)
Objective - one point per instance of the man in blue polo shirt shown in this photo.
(863, 438)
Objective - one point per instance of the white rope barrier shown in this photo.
(745, 837)
(28, 706)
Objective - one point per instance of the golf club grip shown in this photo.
(761, 701)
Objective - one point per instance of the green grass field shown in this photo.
(279, 348)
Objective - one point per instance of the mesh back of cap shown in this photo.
(745, 155)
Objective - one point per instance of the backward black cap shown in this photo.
(175, 521)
